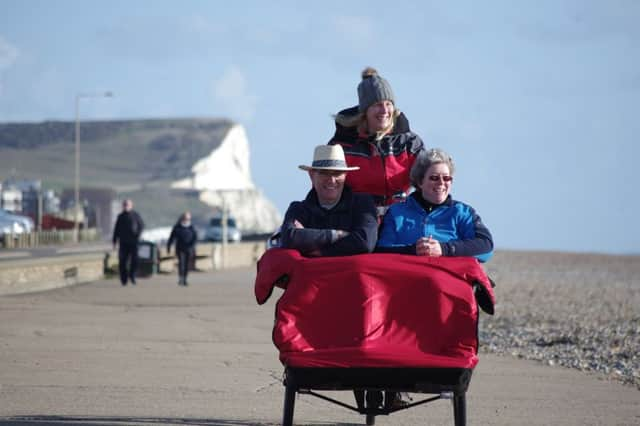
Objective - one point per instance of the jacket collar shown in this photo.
(426, 205)
(351, 133)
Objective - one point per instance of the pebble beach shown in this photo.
(579, 311)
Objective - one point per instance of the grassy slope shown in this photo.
(138, 159)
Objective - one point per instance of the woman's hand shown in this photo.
(428, 247)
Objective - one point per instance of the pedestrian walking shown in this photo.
(185, 237)
(126, 235)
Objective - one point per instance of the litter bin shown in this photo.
(147, 258)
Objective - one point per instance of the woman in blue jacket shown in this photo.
(430, 222)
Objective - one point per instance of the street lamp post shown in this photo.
(76, 225)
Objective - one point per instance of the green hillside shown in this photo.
(112, 153)
(137, 158)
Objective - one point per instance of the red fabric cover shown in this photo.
(373, 310)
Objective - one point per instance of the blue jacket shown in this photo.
(454, 224)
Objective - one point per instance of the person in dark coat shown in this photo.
(185, 237)
(332, 220)
(126, 234)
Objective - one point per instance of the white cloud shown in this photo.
(231, 90)
(356, 30)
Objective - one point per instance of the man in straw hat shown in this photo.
(331, 220)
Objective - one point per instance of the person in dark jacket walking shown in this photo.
(126, 234)
(332, 220)
(185, 237)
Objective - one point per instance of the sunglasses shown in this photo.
(437, 178)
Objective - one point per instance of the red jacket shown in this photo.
(384, 164)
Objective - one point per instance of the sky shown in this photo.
(536, 101)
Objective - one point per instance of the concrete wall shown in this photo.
(215, 256)
(29, 275)
(38, 274)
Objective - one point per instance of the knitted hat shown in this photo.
(372, 89)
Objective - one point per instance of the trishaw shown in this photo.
(376, 322)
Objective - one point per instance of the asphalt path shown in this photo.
(157, 353)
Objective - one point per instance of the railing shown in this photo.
(44, 238)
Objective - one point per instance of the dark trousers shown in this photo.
(128, 262)
(184, 260)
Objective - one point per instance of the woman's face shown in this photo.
(380, 116)
(436, 183)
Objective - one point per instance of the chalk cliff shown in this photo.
(166, 166)
(223, 180)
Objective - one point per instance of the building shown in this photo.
(97, 207)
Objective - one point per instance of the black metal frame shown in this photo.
(444, 382)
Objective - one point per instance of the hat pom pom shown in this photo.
(369, 72)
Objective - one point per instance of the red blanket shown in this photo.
(374, 310)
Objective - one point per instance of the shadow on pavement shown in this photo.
(36, 420)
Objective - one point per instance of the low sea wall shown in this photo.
(216, 256)
(46, 273)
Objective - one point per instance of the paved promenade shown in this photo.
(157, 353)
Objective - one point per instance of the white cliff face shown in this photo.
(226, 167)
(223, 179)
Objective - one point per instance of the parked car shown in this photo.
(10, 227)
(14, 223)
(213, 232)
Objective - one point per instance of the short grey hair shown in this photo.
(427, 159)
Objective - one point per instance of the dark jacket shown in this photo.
(384, 164)
(185, 238)
(128, 228)
(354, 213)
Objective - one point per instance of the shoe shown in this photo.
(133, 282)
(124, 283)
(397, 399)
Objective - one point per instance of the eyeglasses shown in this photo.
(437, 178)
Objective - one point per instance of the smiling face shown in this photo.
(380, 116)
(436, 183)
(328, 185)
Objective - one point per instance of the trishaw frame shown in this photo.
(444, 382)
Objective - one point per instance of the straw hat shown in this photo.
(329, 157)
